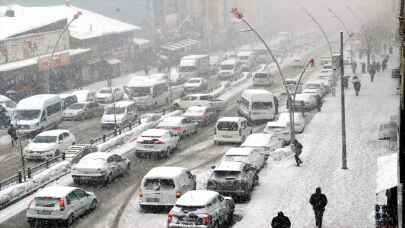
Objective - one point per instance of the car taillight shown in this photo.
(159, 142)
(62, 204)
(169, 218)
(207, 219)
(178, 194)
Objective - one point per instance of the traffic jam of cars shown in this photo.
(231, 181)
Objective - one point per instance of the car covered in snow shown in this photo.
(150, 117)
(201, 209)
(249, 155)
(179, 125)
(107, 95)
(85, 95)
(59, 204)
(82, 111)
(195, 85)
(231, 130)
(68, 99)
(263, 141)
(315, 87)
(157, 143)
(162, 186)
(284, 120)
(48, 144)
(304, 102)
(233, 178)
(120, 113)
(203, 115)
(199, 100)
(100, 167)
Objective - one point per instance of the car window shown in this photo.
(72, 196)
(65, 134)
(110, 159)
(117, 158)
(60, 137)
(227, 126)
(79, 193)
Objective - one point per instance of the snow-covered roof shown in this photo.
(165, 172)
(121, 104)
(154, 132)
(303, 97)
(88, 25)
(4, 98)
(36, 101)
(257, 140)
(231, 119)
(171, 120)
(197, 198)
(140, 41)
(33, 61)
(196, 109)
(239, 151)
(244, 53)
(230, 166)
(387, 172)
(55, 191)
(53, 132)
(257, 95)
(173, 46)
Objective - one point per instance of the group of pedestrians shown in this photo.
(318, 201)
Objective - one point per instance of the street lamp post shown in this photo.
(290, 97)
(50, 61)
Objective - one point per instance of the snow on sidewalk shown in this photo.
(351, 193)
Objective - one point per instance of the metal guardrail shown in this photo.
(18, 178)
(117, 131)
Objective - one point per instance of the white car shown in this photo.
(249, 155)
(8, 104)
(49, 144)
(150, 117)
(326, 73)
(263, 141)
(156, 143)
(100, 167)
(107, 95)
(60, 204)
(315, 87)
(195, 84)
(304, 102)
(179, 125)
(284, 120)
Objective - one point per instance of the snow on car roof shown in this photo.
(165, 172)
(95, 155)
(197, 108)
(239, 151)
(281, 124)
(4, 98)
(37, 101)
(257, 140)
(303, 96)
(229, 62)
(56, 132)
(231, 119)
(55, 191)
(229, 166)
(197, 198)
(154, 132)
(171, 120)
(121, 104)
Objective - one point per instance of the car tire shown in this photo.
(57, 153)
(176, 106)
(69, 221)
(93, 205)
(216, 225)
(229, 221)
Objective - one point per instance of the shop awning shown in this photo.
(34, 61)
(183, 44)
(387, 172)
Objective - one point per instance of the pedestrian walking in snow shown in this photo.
(363, 68)
(372, 72)
(384, 64)
(318, 102)
(297, 150)
(318, 201)
(276, 104)
(356, 84)
(354, 67)
(12, 132)
(378, 67)
(280, 221)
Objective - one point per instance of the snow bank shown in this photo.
(387, 172)
(16, 192)
(281, 153)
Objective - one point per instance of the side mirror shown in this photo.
(213, 167)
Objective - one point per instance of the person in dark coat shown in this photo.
(297, 150)
(280, 221)
(356, 85)
(318, 102)
(12, 132)
(318, 201)
(372, 72)
(378, 66)
(276, 105)
(354, 67)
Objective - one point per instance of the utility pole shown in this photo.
(342, 96)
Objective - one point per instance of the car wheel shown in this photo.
(93, 205)
(69, 221)
(57, 153)
(216, 225)
(108, 179)
(176, 106)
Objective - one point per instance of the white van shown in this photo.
(231, 130)
(85, 96)
(162, 186)
(229, 68)
(246, 58)
(262, 77)
(194, 66)
(257, 104)
(122, 113)
(39, 112)
(148, 91)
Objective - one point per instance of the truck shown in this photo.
(199, 100)
(194, 66)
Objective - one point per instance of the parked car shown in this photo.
(156, 143)
(252, 156)
(202, 114)
(120, 113)
(299, 121)
(61, 204)
(101, 167)
(304, 102)
(48, 144)
(68, 99)
(179, 125)
(107, 95)
(291, 84)
(81, 111)
(162, 186)
(195, 85)
(231, 178)
(150, 117)
(231, 130)
(265, 142)
(201, 209)
(199, 100)
(315, 87)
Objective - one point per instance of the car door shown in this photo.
(120, 163)
(74, 202)
(84, 200)
(67, 139)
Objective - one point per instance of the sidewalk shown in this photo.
(351, 193)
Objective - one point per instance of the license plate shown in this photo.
(152, 200)
(44, 212)
(148, 146)
(227, 136)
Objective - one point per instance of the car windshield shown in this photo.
(77, 106)
(105, 91)
(187, 68)
(44, 139)
(117, 110)
(327, 67)
(227, 67)
(194, 81)
(261, 75)
(140, 91)
(262, 105)
(227, 126)
(159, 184)
(312, 86)
(226, 173)
(27, 114)
(46, 201)
(236, 158)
